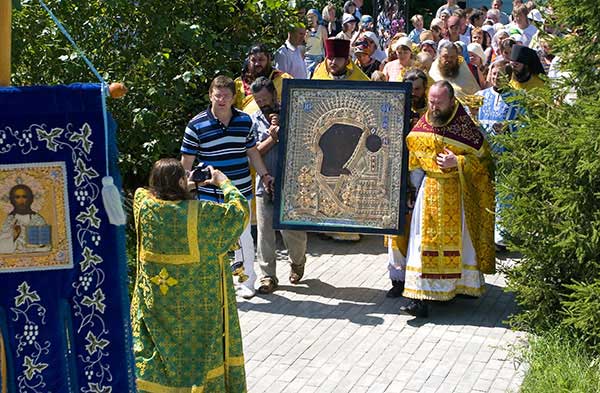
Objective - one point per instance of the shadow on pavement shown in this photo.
(367, 306)
(358, 313)
(368, 245)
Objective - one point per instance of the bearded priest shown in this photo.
(451, 241)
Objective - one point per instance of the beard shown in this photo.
(22, 209)
(522, 76)
(254, 73)
(439, 117)
(341, 71)
(419, 103)
(448, 70)
(270, 109)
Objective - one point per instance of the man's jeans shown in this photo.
(295, 241)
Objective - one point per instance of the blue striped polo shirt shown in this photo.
(223, 147)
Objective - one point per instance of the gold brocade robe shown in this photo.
(353, 73)
(469, 184)
(532, 83)
(244, 101)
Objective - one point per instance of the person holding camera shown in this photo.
(266, 131)
(220, 136)
(184, 317)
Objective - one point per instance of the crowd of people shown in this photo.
(462, 70)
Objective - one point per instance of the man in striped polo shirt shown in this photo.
(220, 136)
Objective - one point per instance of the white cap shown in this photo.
(402, 41)
(491, 30)
(347, 18)
(478, 50)
(517, 38)
(535, 15)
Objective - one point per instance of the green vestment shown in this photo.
(186, 330)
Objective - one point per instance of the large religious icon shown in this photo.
(343, 160)
(34, 219)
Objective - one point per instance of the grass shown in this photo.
(559, 363)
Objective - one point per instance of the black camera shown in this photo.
(201, 173)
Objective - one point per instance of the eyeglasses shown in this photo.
(220, 97)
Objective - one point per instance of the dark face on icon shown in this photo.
(338, 144)
(21, 197)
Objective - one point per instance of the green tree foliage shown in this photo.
(550, 177)
(166, 52)
(581, 47)
(582, 312)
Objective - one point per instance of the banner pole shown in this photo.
(5, 41)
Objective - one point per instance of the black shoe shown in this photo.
(464, 296)
(417, 308)
(396, 290)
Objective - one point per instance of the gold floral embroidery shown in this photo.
(163, 280)
(474, 182)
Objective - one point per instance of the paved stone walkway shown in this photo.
(337, 332)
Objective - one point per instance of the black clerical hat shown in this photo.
(524, 55)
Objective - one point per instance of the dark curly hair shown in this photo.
(164, 180)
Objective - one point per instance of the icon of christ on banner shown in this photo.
(34, 231)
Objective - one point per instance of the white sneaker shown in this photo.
(245, 292)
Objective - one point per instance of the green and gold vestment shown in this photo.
(184, 315)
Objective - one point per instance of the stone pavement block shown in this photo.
(377, 388)
(423, 350)
(404, 375)
(494, 364)
(437, 353)
(307, 372)
(359, 389)
(366, 380)
(433, 382)
(500, 384)
(320, 375)
(250, 381)
(412, 365)
(442, 369)
(483, 384)
(349, 379)
(395, 387)
(296, 386)
(427, 367)
(483, 355)
(415, 383)
(488, 373)
(463, 388)
(450, 383)
(263, 384)
(289, 375)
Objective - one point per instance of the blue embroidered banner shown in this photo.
(63, 296)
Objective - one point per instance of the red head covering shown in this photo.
(337, 48)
